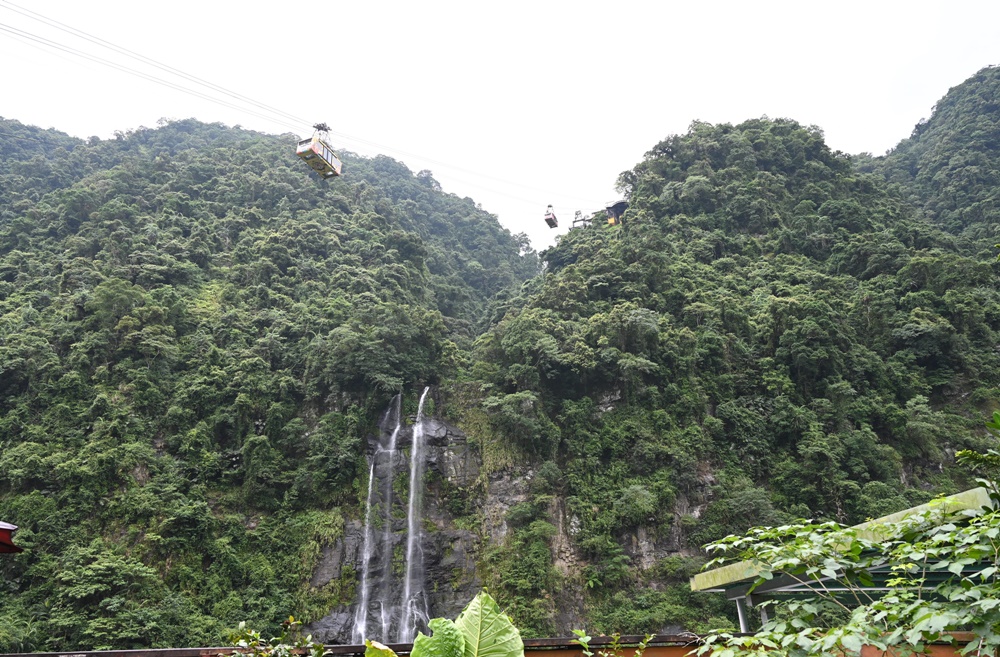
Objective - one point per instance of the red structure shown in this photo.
(6, 538)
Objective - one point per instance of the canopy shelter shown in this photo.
(6, 538)
(737, 580)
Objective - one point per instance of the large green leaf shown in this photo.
(376, 649)
(488, 631)
(447, 641)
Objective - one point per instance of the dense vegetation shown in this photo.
(196, 337)
(949, 164)
(774, 333)
(935, 571)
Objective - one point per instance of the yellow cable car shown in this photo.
(318, 155)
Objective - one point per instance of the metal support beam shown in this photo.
(742, 613)
(755, 601)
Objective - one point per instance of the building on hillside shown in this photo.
(616, 211)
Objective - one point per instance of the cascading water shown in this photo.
(361, 614)
(414, 603)
(392, 415)
(385, 590)
(400, 606)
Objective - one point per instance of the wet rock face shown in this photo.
(333, 626)
(505, 489)
(344, 550)
(449, 454)
(567, 562)
(449, 551)
(464, 511)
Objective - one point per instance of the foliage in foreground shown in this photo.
(290, 642)
(481, 630)
(942, 578)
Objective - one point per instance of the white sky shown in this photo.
(516, 104)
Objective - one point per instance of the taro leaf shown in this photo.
(487, 630)
(376, 649)
(447, 641)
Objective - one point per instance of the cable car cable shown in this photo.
(48, 51)
(457, 168)
(242, 98)
(147, 60)
(146, 76)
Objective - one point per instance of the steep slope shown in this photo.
(951, 163)
(196, 339)
(770, 335)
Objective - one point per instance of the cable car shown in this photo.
(550, 217)
(318, 154)
(6, 540)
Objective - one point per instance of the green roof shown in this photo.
(742, 574)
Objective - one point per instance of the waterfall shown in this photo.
(400, 607)
(414, 603)
(385, 611)
(361, 613)
(360, 629)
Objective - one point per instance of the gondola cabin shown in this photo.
(550, 217)
(319, 156)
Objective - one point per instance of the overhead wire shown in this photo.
(126, 69)
(450, 166)
(51, 52)
(148, 60)
(266, 112)
(243, 98)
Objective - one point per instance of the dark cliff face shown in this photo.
(465, 516)
(450, 537)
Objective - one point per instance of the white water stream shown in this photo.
(361, 613)
(413, 602)
(400, 607)
(360, 629)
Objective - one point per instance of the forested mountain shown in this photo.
(949, 164)
(772, 334)
(197, 340)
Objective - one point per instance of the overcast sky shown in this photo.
(516, 104)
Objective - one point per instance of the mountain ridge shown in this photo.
(197, 341)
